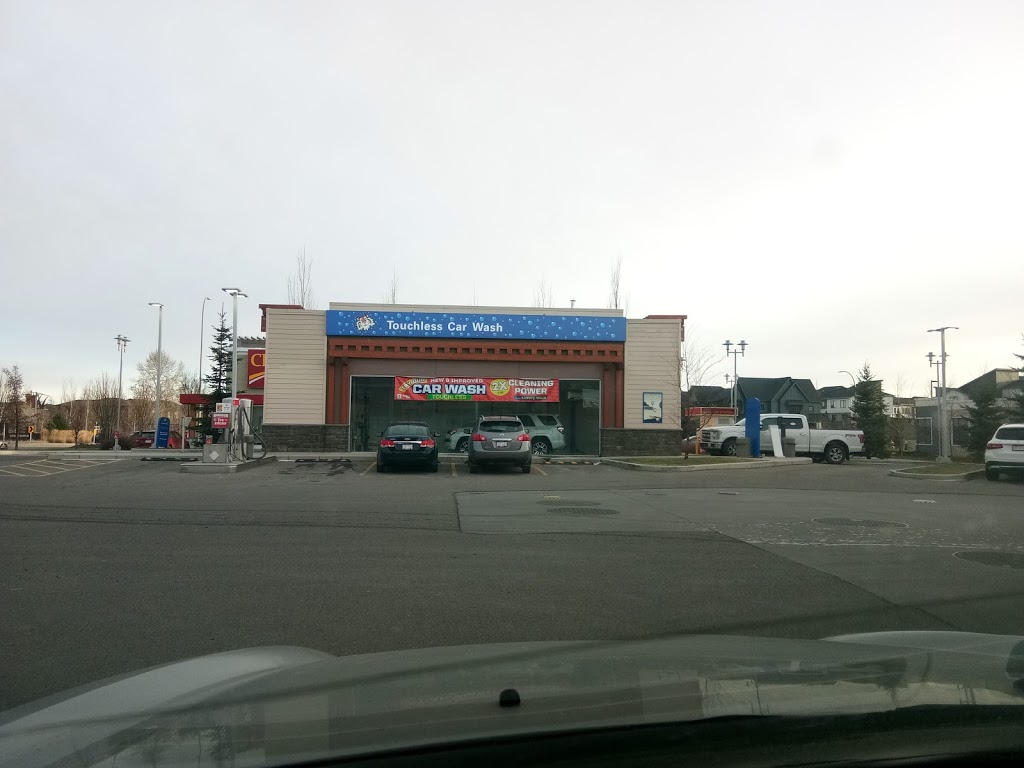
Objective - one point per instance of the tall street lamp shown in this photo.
(159, 363)
(736, 353)
(852, 379)
(943, 436)
(234, 293)
(122, 344)
(202, 326)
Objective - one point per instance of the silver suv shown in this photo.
(500, 440)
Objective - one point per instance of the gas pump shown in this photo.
(242, 437)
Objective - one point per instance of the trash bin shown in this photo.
(789, 447)
(743, 447)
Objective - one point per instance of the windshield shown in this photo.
(408, 430)
(486, 294)
(500, 426)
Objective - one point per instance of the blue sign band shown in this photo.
(447, 325)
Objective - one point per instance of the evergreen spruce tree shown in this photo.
(219, 377)
(869, 414)
(1015, 410)
(985, 417)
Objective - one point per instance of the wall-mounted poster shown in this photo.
(653, 402)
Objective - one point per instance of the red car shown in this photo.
(148, 438)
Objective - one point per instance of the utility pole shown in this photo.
(122, 344)
(738, 352)
(202, 321)
(944, 432)
(234, 293)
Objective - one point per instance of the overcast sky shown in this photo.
(825, 180)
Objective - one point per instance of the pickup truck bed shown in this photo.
(834, 446)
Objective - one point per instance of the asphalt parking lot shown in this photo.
(116, 566)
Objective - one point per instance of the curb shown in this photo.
(223, 469)
(963, 477)
(753, 464)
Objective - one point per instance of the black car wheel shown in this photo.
(527, 468)
(463, 445)
(435, 466)
(381, 467)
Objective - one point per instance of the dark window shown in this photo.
(772, 422)
(547, 421)
(1010, 433)
(408, 430)
(527, 421)
(501, 426)
(791, 423)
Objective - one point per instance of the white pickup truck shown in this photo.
(833, 446)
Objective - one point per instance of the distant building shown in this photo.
(782, 395)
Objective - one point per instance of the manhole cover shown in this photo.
(582, 511)
(855, 523)
(987, 557)
(559, 502)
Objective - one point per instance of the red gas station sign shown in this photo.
(257, 363)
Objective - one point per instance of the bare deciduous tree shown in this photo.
(697, 363)
(141, 410)
(616, 298)
(391, 294)
(901, 426)
(13, 401)
(300, 282)
(74, 408)
(543, 297)
(102, 392)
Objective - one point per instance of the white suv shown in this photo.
(1005, 451)
(546, 432)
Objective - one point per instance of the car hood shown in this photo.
(277, 705)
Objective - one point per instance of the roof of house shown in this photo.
(826, 392)
(767, 390)
(707, 395)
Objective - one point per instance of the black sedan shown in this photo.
(407, 443)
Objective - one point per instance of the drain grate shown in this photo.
(582, 511)
(855, 523)
(559, 502)
(989, 557)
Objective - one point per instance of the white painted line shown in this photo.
(539, 470)
(455, 472)
(371, 466)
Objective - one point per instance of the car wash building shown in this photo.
(584, 381)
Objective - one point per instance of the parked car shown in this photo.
(457, 440)
(546, 432)
(407, 443)
(500, 440)
(147, 439)
(834, 446)
(1005, 452)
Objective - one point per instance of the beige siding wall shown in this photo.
(296, 385)
(652, 365)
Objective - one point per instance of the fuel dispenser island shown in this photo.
(241, 441)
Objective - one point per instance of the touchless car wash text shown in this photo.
(574, 377)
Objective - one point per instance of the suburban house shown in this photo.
(783, 395)
(1005, 382)
(836, 406)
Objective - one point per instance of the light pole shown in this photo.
(234, 293)
(122, 344)
(852, 379)
(159, 362)
(943, 436)
(738, 352)
(202, 322)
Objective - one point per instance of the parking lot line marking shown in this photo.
(454, 471)
(29, 467)
(9, 472)
(368, 468)
(541, 471)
